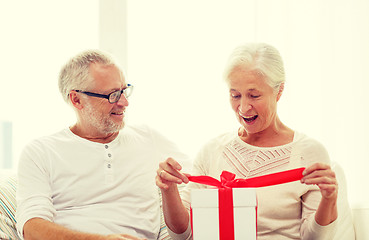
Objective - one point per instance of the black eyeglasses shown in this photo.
(112, 97)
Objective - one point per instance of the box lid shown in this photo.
(208, 198)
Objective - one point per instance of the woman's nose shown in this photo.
(244, 107)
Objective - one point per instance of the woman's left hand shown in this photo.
(324, 177)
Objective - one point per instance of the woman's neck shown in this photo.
(275, 135)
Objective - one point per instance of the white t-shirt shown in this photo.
(94, 187)
(284, 211)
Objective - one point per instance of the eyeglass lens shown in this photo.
(115, 96)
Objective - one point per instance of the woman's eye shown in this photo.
(254, 96)
(235, 96)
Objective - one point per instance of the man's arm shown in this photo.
(39, 229)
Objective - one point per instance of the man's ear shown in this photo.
(280, 91)
(75, 99)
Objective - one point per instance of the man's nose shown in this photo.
(123, 101)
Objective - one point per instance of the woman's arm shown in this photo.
(324, 177)
(175, 214)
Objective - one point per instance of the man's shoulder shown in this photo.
(54, 138)
(139, 130)
(136, 128)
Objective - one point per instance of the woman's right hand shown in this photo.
(169, 174)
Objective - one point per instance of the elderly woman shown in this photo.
(262, 145)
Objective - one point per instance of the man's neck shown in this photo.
(94, 136)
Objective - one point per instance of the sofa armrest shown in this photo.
(8, 185)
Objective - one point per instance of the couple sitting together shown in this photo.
(99, 178)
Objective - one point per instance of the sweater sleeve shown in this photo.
(313, 152)
(199, 168)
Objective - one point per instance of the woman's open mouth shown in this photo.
(250, 118)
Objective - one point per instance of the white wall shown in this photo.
(174, 52)
(37, 37)
(177, 49)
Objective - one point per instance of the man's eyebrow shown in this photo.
(117, 89)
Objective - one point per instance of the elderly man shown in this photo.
(95, 179)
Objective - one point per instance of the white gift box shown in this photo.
(205, 214)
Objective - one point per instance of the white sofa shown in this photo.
(359, 216)
(8, 186)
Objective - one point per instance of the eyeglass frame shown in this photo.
(91, 94)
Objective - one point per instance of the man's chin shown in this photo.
(114, 127)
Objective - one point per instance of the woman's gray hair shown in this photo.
(75, 74)
(261, 58)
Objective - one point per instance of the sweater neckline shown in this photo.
(296, 137)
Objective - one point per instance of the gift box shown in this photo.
(229, 212)
(206, 210)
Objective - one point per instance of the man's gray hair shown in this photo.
(75, 74)
(264, 59)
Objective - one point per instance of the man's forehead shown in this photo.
(108, 77)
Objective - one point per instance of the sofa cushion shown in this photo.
(7, 207)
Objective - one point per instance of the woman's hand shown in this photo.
(168, 174)
(324, 177)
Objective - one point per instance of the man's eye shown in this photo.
(254, 96)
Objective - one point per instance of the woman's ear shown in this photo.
(280, 91)
(75, 99)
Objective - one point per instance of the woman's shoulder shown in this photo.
(310, 148)
(307, 141)
(219, 142)
(223, 139)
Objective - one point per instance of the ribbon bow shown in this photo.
(228, 181)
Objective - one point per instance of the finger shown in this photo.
(316, 167)
(169, 170)
(170, 163)
(174, 164)
(167, 165)
(173, 176)
(328, 190)
(320, 176)
(319, 179)
(160, 183)
(187, 175)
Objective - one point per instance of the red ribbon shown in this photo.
(228, 181)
